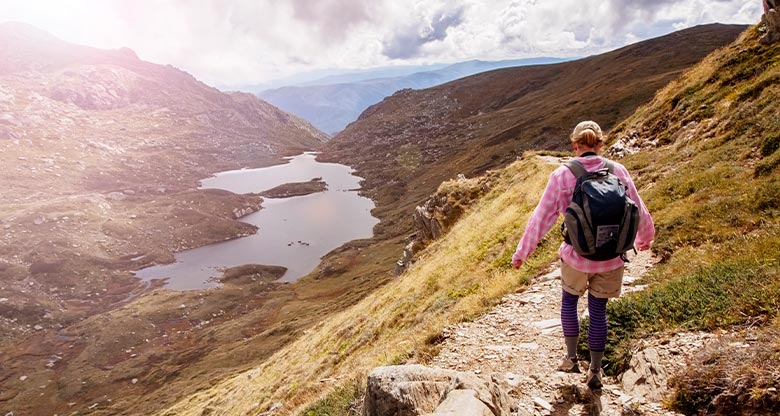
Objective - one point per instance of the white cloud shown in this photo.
(412, 39)
(250, 41)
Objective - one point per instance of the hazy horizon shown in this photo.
(246, 42)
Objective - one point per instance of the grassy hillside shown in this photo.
(708, 169)
(460, 277)
(704, 154)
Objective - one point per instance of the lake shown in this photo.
(292, 232)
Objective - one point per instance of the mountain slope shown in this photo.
(332, 107)
(102, 154)
(410, 142)
(54, 89)
(704, 154)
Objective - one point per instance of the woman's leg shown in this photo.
(597, 332)
(570, 322)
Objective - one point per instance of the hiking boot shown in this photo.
(569, 365)
(593, 380)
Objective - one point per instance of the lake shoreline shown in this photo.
(181, 333)
(320, 210)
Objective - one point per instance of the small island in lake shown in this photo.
(289, 190)
(251, 273)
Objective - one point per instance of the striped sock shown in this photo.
(597, 332)
(569, 318)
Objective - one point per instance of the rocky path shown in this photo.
(521, 340)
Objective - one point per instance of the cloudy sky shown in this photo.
(241, 42)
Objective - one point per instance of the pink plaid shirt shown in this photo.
(557, 197)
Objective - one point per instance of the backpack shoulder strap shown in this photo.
(576, 168)
(609, 165)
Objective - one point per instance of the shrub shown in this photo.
(769, 145)
(736, 376)
(342, 401)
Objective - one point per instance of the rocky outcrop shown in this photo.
(439, 213)
(646, 377)
(411, 390)
(428, 218)
(629, 143)
(405, 390)
(770, 22)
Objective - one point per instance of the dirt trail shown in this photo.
(521, 338)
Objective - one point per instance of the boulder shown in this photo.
(646, 377)
(488, 392)
(411, 390)
(425, 220)
(462, 403)
(405, 390)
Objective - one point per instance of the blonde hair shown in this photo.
(587, 133)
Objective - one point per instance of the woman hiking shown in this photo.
(601, 279)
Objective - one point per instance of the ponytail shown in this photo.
(587, 133)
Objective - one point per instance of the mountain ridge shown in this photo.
(317, 104)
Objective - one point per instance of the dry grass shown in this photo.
(458, 280)
(739, 375)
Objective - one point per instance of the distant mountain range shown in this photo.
(333, 76)
(332, 102)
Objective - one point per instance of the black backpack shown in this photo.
(602, 221)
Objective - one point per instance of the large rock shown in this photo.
(439, 213)
(461, 403)
(646, 377)
(770, 22)
(411, 390)
(426, 217)
(487, 392)
(405, 390)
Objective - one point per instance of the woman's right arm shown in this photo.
(542, 219)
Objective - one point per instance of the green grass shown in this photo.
(344, 400)
(714, 192)
(722, 295)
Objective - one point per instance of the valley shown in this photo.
(103, 156)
